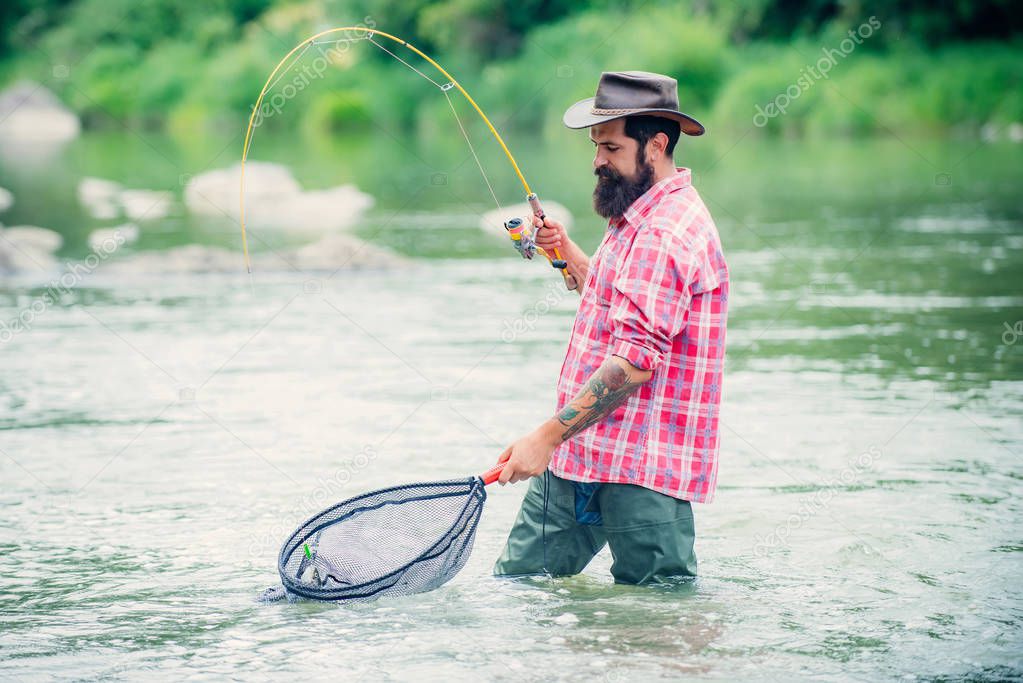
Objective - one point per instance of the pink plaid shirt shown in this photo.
(656, 295)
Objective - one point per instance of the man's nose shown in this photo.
(598, 161)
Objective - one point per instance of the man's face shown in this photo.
(623, 173)
(614, 148)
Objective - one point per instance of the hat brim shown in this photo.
(580, 115)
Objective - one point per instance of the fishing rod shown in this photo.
(522, 232)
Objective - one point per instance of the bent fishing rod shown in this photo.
(522, 232)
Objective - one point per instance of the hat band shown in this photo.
(612, 112)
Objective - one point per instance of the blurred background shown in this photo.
(166, 419)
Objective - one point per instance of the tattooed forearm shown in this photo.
(608, 388)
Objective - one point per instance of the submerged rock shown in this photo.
(6, 199)
(105, 199)
(337, 251)
(492, 221)
(141, 205)
(27, 248)
(274, 199)
(120, 235)
(330, 253)
(99, 197)
(29, 113)
(191, 258)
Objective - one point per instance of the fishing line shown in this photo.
(524, 240)
(294, 63)
(405, 63)
(472, 149)
(444, 91)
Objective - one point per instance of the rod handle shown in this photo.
(534, 204)
(491, 475)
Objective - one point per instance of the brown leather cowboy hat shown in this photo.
(631, 93)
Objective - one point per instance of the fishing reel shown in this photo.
(523, 236)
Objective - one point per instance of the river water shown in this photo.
(160, 435)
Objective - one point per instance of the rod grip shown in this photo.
(491, 475)
(534, 204)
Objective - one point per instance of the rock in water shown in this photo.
(26, 248)
(191, 258)
(274, 199)
(106, 199)
(108, 240)
(29, 113)
(99, 197)
(145, 205)
(6, 199)
(332, 252)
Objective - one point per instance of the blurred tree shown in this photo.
(23, 21)
(943, 21)
(929, 22)
(74, 24)
(489, 28)
(485, 28)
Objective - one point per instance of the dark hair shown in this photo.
(642, 128)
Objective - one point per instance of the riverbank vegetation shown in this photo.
(920, 69)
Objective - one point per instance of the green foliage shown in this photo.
(911, 91)
(338, 111)
(560, 63)
(694, 51)
(142, 23)
(927, 22)
(106, 82)
(974, 84)
(191, 64)
(493, 29)
(484, 28)
(165, 76)
(22, 22)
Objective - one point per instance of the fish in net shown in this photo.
(395, 541)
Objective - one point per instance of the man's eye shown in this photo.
(611, 148)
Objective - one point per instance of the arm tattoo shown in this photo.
(608, 388)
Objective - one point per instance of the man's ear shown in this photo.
(656, 146)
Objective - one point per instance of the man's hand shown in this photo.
(554, 236)
(529, 456)
(613, 382)
(550, 234)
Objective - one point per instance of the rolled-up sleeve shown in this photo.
(650, 298)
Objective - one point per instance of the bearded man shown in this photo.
(635, 440)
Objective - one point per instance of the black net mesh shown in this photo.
(396, 541)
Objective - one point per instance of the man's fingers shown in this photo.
(552, 236)
(506, 474)
(550, 225)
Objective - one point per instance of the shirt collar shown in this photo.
(641, 208)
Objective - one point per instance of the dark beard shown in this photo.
(615, 193)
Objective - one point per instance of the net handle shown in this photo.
(491, 475)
